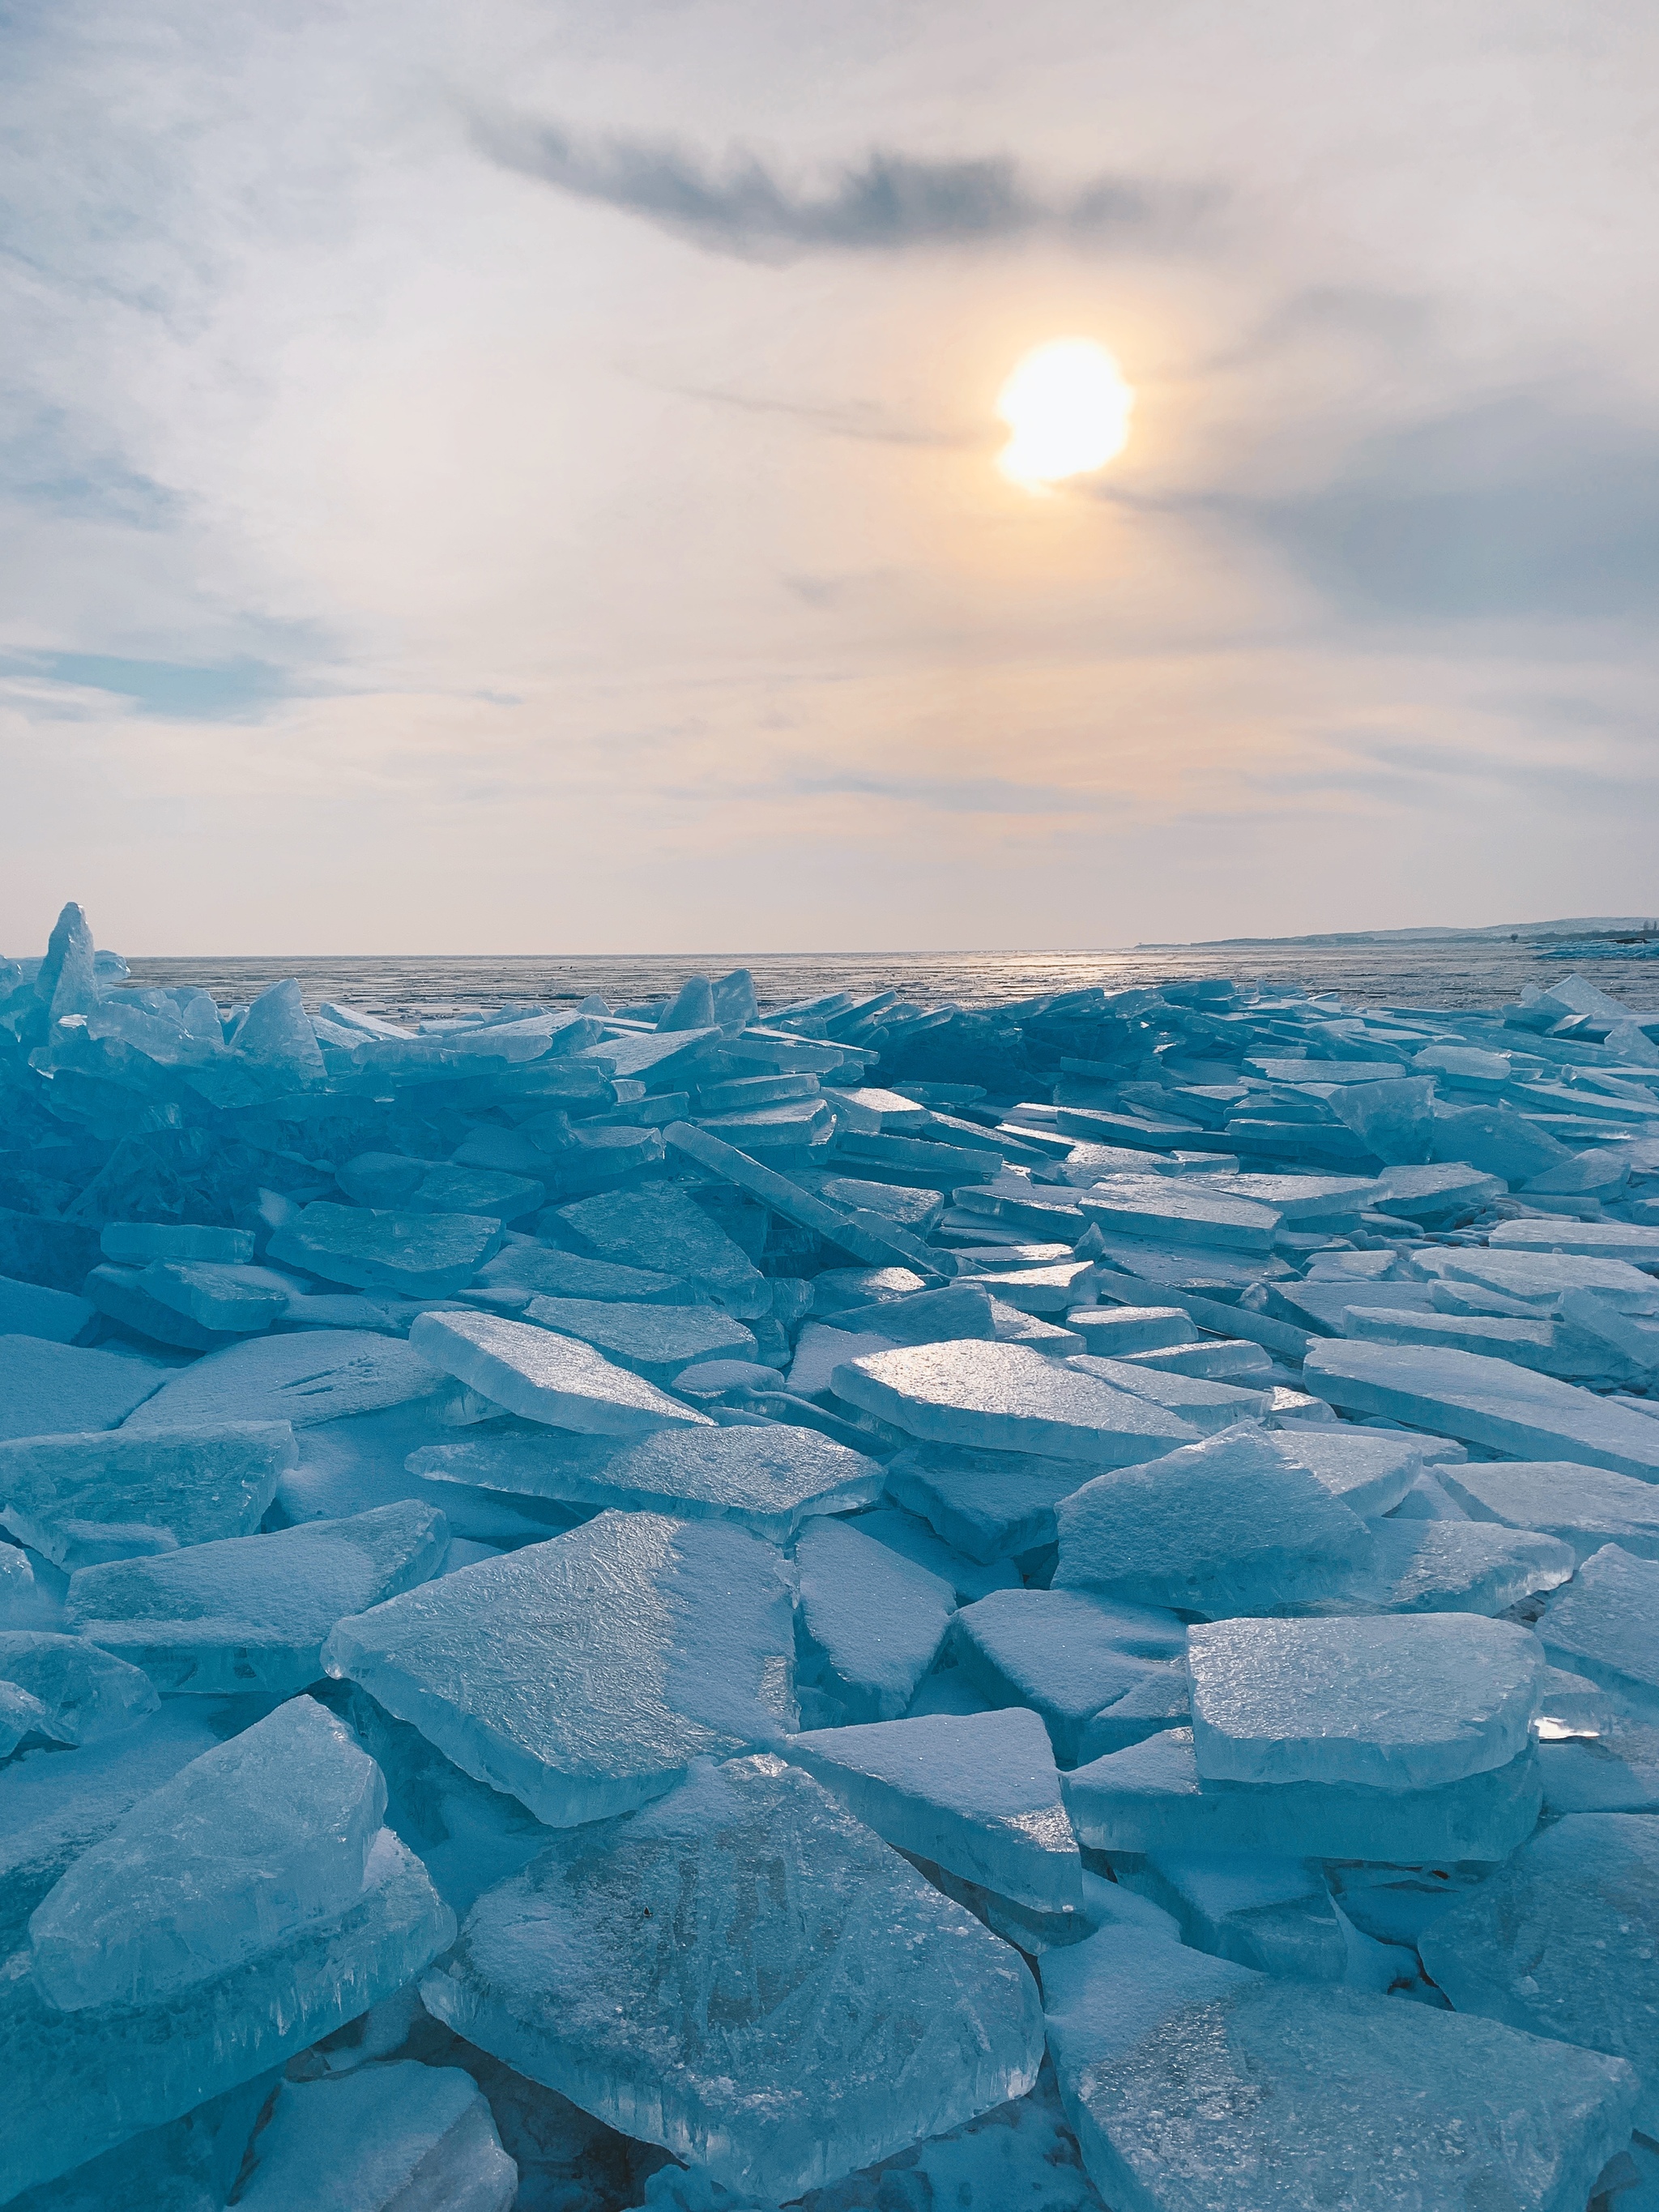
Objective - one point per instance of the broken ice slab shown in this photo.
(420, 1254)
(122, 1295)
(1194, 2085)
(1149, 1798)
(960, 1312)
(1544, 1347)
(1205, 1407)
(1008, 1397)
(977, 1795)
(768, 1479)
(1489, 1403)
(664, 1229)
(1433, 1565)
(1605, 1624)
(1636, 1244)
(1585, 1506)
(1176, 1211)
(870, 1621)
(1384, 1703)
(909, 1536)
(305, 1379)
(187, 2165)
(988, 1505)
(1539, 1279)
(32, 1309)
(718, 1973)
(136, 1244)
(89, 1695)
(1271, 1914)
(1110, 1332)
(232, 1856)
(25, 1720)
(1435, 1195)
(109, 1493)
(655, 1342)
(1234, 1524)
(253, 1612)
(1073, 1659)
(541, 1271)
(385, 2138)
(1368, 1471)
(448, 1188)
(46, 1388)
(583, 1676)
(90, 2079)
(1561, 1942)
(1223, 1359)
(546, 1378)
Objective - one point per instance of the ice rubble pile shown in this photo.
(876, 1606)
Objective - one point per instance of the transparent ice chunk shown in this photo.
(69, 1496)
(396, 2137)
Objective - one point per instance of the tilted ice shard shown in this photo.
(978, 1795)
(253, 1612)
(238, 1853)
(652, 1340)
(90, 1694)
(742, 1972)
(401, 2138)
(872, 1623)
(1070, 1656)
(321, 1375)
(665, 1230)
(543, 1378)
(585, 1675)
(1605, 1624)
(46, 1388)
(1385, 1702)
(71, 1496)
(1194, 2085)
(420, 1254)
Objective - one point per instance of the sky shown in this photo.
(522, 477)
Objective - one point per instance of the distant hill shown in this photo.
(1583, 926)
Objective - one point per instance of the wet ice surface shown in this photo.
(780, 1520)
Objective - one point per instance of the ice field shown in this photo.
(871, 1604)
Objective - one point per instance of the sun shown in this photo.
(1067, 408)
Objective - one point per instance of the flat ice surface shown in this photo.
(1387, 1704)
(1563, 1941)
(542, 1376)
(583, 1676)
(108, 1491)
(1194, 2085)
(653, 1340)
(1007, 1397)
(429, 1256)
(399, 2137)
(234, 1855)
(1539, 1278)
(820, 1351)
(1492, 1403)
(872, 1622)
(87, 1694)
(1111, 1331)
(1068, 1656)
(1596, 1240)
(253, 1612)
(1584, 1506)
(744, 1974)
(1148, 1797)
(979, 1794)
(46, 1388)
(316, 1376)
(1235, 1524)
(1605, 1624)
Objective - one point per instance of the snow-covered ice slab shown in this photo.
(978, 1794)
(1149, 1798)
(1563, 1942)
(989, 1504)
(1633, 1243)
(1194, 2085)
(655, 1342)
(583, 1676)
(1385, 1704)
(421, 1255)
(316, 1376)
(1489, 1403)
(46, 1388)
(664, 1230)
(1605, 1625)
(401, 2138)
(1072, 1658)
(344, 1927)
(745, 1974)
(1584, 1506)
(253, 1612)
(871, 1622)
(542, 1376)
(768, 1479)
(1235, 1524)
(88, 1695)
(1007, 1397)
(112, 1493)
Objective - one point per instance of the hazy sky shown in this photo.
(507, 477)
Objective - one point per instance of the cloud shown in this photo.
(887, 202)
(1513, 508)
(178, 692)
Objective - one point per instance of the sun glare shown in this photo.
(1067, 410)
